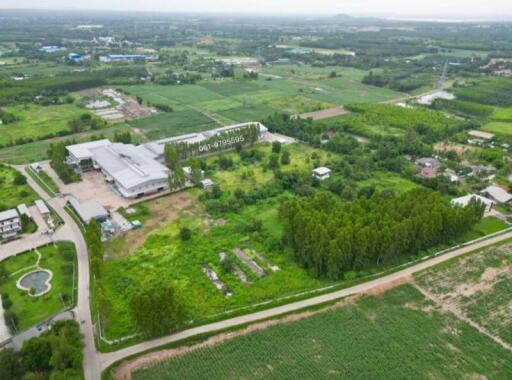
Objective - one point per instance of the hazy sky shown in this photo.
(424, 8)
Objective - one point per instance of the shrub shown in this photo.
(185, 233)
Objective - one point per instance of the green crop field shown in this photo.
(173, 95)
(398, 335)
(293, 89)
(60, 259)
(502, 114)
(478, 285)
(169, 124)
(37, 150)
(499, 127)
(487, 90)
(11, 194)
(35, 69)
(36, 121)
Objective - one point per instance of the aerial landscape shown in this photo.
(282, 190)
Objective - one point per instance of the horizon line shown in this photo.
(356, 15)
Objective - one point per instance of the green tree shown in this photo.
(37, 353)
(196, 173)
(19, 179)
(171, 155)
(4, 273)
(185, 233)
(276, 147)
(157, 310)
(273, 161)
(177, 179)
(285, 158)
(11, 365)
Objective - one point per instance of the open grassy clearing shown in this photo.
(387, 180)
(36, 121)
(478, 286)
(162, 255)
(486, 226)
(61, 260)
(372, 337)
(11, 194)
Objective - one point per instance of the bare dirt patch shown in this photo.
(164, 210)
(381, 289)
(322, 114)
(485, 284)
(452, 147)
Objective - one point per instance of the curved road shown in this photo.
(107, 359)
(91, 366)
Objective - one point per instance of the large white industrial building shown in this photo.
(157, 147)
(136, 170)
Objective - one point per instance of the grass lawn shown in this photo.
(11, 195)
(486, 226)
(36, 121)
(499, 127)
(61, 260)
(375, 337)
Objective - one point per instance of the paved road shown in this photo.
(83, 311)
(108, 359)
(33, 332)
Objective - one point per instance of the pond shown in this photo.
(38, 280)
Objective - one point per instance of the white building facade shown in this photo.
(10, 224)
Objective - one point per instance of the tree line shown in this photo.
(56, 354)
(330, 237)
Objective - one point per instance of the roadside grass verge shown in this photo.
(44, 181)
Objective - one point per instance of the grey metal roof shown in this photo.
(157, 147)
(23, 210)
(129, 165)
(41, 206)
(498, 193)
(464, 201)
(83, 151)
(8, 214)
(88, 210)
